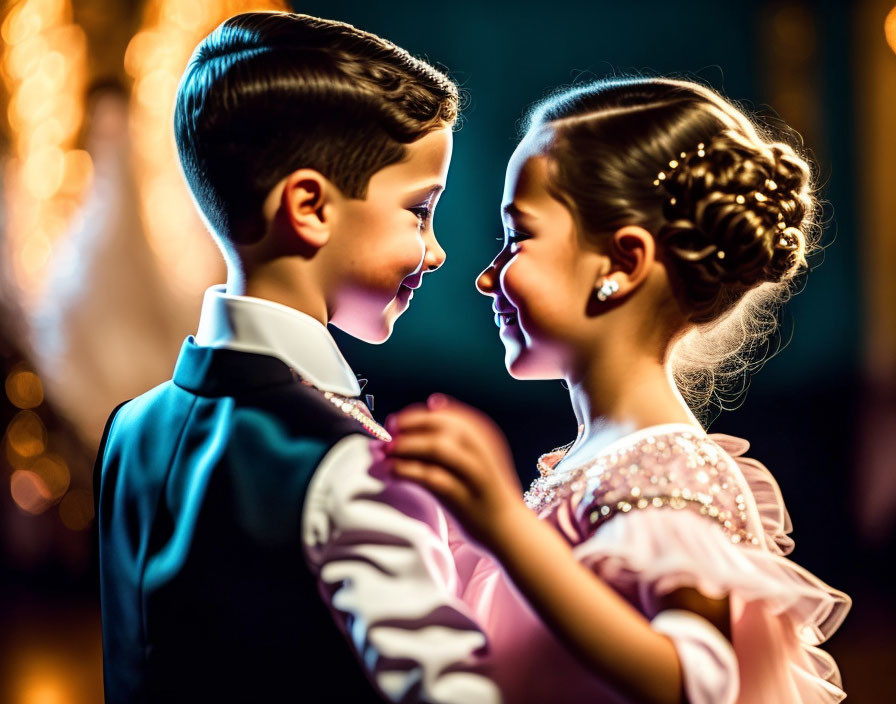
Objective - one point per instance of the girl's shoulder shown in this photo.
(673, 467)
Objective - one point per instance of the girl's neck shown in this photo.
(613, 400)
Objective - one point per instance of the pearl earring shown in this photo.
(606, 289)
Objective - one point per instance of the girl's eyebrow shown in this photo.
(510, 209)
(513, 211)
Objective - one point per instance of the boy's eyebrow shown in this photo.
(429, 191)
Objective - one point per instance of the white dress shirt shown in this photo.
(378, 546)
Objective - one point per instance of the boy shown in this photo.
(236, 495)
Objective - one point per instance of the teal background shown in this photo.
(505, 57)
(805, 409)
(798, 413)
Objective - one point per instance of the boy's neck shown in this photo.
(278, 282)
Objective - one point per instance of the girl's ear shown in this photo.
(305, 201)
(632, 252)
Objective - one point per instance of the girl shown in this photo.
(651, 231)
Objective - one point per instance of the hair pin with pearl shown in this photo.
(790, 238)
(675, 163)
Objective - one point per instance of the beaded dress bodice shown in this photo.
(661, 468)
(699, 515)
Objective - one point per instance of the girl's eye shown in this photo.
(512, 238)
(423, 213)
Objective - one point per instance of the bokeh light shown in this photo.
(76, 509)
(42, 679)
(890, 28)
(29, 491)
(24, 388)
(44, 68)
(78, 172)
(45, 693)
(26, 435)
(155, 58)
(54, 473)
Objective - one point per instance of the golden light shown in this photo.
(24, 58)
(148, 88)
(155, 58)
(890, 29)
(20, 24)
(44, 68)
(76, 509)
(54, 473)
(35, 254)
(42, 172)
(49, 131)
(13, 458)
(23, 387)
(187, 16)
(29, 491)
(45, 693)
(52, 66)
(42, 679)
(78, 171)
(26, 434)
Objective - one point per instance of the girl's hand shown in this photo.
(459, 454)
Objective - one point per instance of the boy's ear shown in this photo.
(632, 252)
(305, 200)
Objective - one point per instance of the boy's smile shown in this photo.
(384, 244)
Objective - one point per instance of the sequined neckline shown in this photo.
(548, 461)
(680, 467)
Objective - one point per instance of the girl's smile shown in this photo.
(542, 277)
(505, 314)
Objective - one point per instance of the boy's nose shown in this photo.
(435, 256)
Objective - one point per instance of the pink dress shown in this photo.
(664, 508)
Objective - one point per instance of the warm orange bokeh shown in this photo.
(43, 67)
(890, 29)
(24, 388)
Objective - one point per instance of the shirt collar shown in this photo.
(249, 324)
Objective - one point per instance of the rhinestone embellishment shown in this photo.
(676, 470)
(352, 407)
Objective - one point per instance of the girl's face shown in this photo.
(544, 276)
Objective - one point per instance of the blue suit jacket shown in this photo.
(206, 596)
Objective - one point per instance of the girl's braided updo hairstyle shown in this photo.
(731, 209)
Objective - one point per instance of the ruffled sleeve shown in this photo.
(673, 523)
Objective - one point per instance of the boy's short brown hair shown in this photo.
(267, 93)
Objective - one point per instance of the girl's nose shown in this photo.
(486, 282)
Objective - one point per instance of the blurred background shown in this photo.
(103, 263)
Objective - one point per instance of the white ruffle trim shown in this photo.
(652, 552)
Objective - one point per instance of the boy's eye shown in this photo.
(423, 213)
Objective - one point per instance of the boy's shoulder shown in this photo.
(238, 396)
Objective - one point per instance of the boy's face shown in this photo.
(381, 246)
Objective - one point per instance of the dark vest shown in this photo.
(206, 596)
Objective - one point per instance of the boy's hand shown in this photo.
(459, 454)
